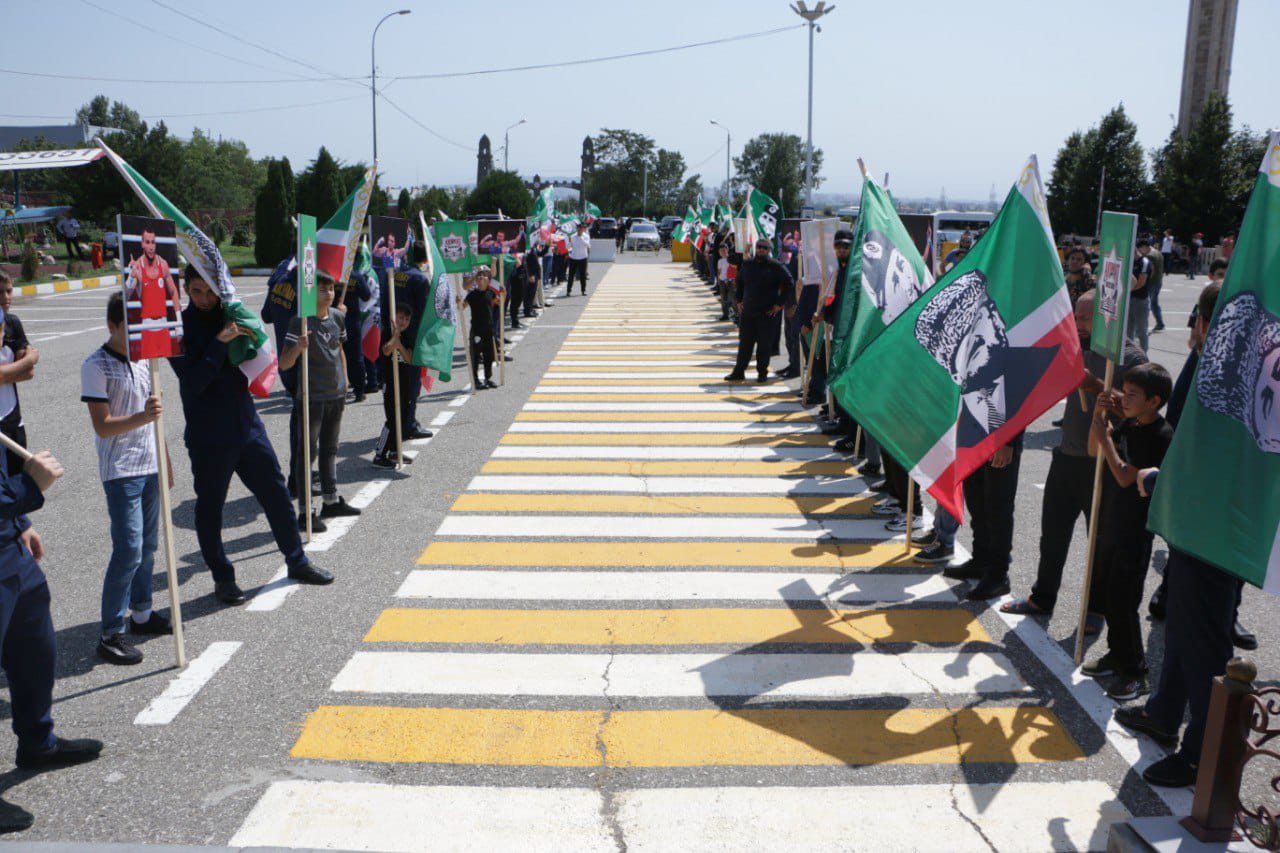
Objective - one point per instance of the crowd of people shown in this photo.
(1130, 424)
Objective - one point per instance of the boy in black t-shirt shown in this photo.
(1124, 543)
(480, 299)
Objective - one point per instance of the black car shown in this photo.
(668, 225)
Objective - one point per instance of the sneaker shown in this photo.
(1126, 688)
(382, 460)
(937, 553)
(116, 649)
(887, 508)
(155, 625)
(317, 526)
(489, 383)
(929, 537)
(899, 524)
(415, 434)
(338, 508)
(1172, 771)
(1135, 719)
(869, 470)
(878, 485)
(1100, 668)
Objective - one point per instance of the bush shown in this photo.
(217, 232)
(30, 261)
(242, 234)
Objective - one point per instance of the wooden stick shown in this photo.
(395, 369)
(862, 167)
(1091, 550)
(466, 335)
(13, 446)
(502, 323)
(305, 435)
(166, 518)
(911, 506)
(857, 442)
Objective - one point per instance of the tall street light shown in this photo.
(373, 76)
(728, 147)
(812, 16)
(506, 145)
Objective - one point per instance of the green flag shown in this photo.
(762, 214)
(544, 206)
(591, 212)
(456, 242)
(722, 215)
(307, 261)
(1218, 496)
(884, 276)
(1111, 307)
(434, 346)
(685, 230)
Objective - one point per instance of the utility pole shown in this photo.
(812, 16)
(506, 145)
(728, 149)
(373, 76)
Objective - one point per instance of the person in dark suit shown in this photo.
(761, 292)
(225, 436)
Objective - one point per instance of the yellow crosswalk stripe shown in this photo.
(660, 468)
(685, 738)
(826, 555)
(674, 627)
(835, 505)
(697, 397)
(625, 417)
(705, 439)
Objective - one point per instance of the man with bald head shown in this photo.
(1068, 490)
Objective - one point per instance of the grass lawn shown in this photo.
(235, 256)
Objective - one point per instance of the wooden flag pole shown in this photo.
(395, 369)
(15, 448)
(466, 333)
(1091, 551)
(502, 322)
(166, 517)
(911, 506)
(304, 436)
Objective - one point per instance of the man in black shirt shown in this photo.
(18, 360)
(761, 292)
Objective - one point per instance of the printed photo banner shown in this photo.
(500, 237)
(153, 306)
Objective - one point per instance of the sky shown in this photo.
(936, 94)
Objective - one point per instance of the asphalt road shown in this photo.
(195, 779)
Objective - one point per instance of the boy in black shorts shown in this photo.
(1124, 543)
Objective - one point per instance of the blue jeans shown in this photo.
(133, 505)
(945, 525)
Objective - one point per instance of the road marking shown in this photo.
(724, 439)
(442, 418)
(631, 418)
(648, 504)
(639, 452)
(627, 484)
(688, 738)
(805, 529)
(747, 554)
(633, 377)
(669, 394)
(833, 589)
(641, 423)
(183, 688)
(459, 401)
(1011, 815)
(838, 467)
(696, 626)
(739, 409)
(763, 676)
(43, 338)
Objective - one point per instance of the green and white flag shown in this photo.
(683, 232)
(1111, 307)
(722, 215)
(434, 346)
(1218, 496)
(544, 206)
(884, 277)
(591, 212)
(457, 241)
(307, 262)
(762, 214)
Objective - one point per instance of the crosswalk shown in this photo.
(661, 617)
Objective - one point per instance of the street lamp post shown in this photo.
(728, 148)
(373, 75)
(812, 16)
(506, 145)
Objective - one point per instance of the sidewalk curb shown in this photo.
(48, 287)
(250, 271)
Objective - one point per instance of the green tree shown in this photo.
(1077, 174)
(290, 186)
(688, 196)
(379, 201)
(320, 188)
(1203, 181)
(503, 191)
(431, 202)
(773, 162)
(666, 181)
(272, 219)
(616, 184)
(102, 112)
(404, 204)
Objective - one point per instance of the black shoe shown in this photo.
(507, 357)
(847, 444)
(418, 433)
(986, 590)
(937, 553)
(1135, 719)
(515, 326)
(383, 460)
(1156, 607)
(1172, 771)
(878, 485)
(14, 818)
(317, 526)
(116, 649)
(762, 379)
(924, 540)
(337, 509)
(1243, 638)
(966, 571)
(735, 377)
(814, 401)
(1100, 668)
(834, 429)
(359, 397)
(869, 470)
(789, 374)
(1158, 328)
(228, 592)
(312, 574)
(1126, 688)
(489, 383)
(1058, 422)
(65, 753)
(156, 625)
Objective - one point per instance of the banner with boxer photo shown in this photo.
(152, 305)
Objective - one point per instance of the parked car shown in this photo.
(603, 228)
(668, 224)
(643, 235)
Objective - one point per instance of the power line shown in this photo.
(243, 40)
(145, 26)
(162, 116)
(706, 159)
(362, 80)
(450, 74)
(411, 118)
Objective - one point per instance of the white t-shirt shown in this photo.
(69, 228)
(108, 377)
(579, 247)
(1166, 246)
(722, 269)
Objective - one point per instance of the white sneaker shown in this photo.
(899, 524)
(887, 508)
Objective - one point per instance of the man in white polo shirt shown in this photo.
(579, 250)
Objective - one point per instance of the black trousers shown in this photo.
(73, 248)
(755, 332)
(325, 423)
(27, 646)
(355, 359)
(558, 267)
(791, 330)
(408, 396)
(1121, 568)
(818, 379)
(1200, 612)
(516, 295)
(481, 355)
(15, 463)
(1068, 491)
(578, 269)
(896, 484)
(289, 379)
(990, 493)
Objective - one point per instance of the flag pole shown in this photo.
(395, 363)
(502, 322)
(304, 437)
(466, 331)
(1092, 549)
(911, 505)
(15, 448)
(166, 516)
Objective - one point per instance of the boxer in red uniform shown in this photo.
(157, 296)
